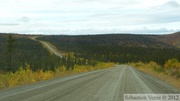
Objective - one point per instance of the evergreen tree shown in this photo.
(9, 54)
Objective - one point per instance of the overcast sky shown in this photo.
(90, 16)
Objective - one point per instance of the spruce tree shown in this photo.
(9, 54)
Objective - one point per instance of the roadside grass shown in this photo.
(156, 70)
(27, 76)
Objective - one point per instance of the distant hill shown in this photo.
(171, 39)
(121, 48)
(125, 40)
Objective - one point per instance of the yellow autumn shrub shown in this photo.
(164, 73)
(172, 67)
(27, 76)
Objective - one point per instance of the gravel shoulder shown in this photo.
(101, 85)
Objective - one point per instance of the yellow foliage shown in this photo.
(172, 64)
(27, 76)
(173, 67)
(152, 69)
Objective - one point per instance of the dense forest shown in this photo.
(83, 50)
(115, 48)
(24, 51)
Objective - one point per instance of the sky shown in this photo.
(89, 16)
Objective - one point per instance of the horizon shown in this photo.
(84, 17)
(38, 34)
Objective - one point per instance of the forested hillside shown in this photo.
(117, 48)
(171, 39)
(86, 49)
(26, 51)
(125, 40)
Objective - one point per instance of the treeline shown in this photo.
(130, 54)
(126, 40)
(100, 50)
(69, 60)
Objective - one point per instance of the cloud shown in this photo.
(89, 16)
(24, 19)
(154, 31)
(9, 24)
(165, 13)
(172, 4)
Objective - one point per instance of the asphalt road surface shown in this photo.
(101, 85)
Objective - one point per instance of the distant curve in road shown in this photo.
(54, 51)
(101, 85)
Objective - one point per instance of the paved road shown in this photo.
(101, 85)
